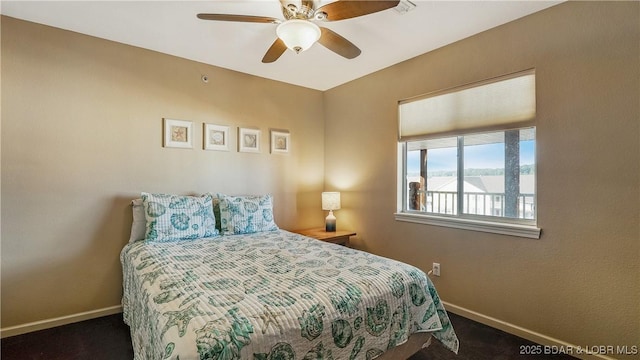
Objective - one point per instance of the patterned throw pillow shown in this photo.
(246, 214)
(177, 217)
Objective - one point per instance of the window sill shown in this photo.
(520, 230)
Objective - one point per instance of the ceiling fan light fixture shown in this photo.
(298, 34)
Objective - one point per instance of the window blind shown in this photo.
(495, 103)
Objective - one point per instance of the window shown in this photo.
(477, 173)
(498, 177)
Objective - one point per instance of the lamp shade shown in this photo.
(298, 34)
(330, 200)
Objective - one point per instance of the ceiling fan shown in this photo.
(298, 31)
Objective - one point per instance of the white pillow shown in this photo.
(139, 225)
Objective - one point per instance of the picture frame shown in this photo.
(280, 142)
(178, 133)
(249, 140)
(215, 137)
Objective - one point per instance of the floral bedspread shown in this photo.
(273, 295)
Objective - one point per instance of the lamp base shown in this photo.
(330, 222)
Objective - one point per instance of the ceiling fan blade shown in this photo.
(277, 48)
(239, 18)
(338, 44)
(340, 10)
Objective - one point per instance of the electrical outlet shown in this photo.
(436, 269)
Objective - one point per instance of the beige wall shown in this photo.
(580, 282)
(82, 136)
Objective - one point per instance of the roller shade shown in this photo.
(496, 103)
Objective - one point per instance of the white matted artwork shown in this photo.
(248, 140)
(178, 134)
(280, 141)
(216, 137)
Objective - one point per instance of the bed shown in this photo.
(270, 294)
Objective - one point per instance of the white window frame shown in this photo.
(412, 129)
(490, 224)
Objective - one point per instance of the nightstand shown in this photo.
(340, 237)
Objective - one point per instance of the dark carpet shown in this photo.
(481, 342)
(108, 338)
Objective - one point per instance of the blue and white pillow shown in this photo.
(246, 214)
(178, 217)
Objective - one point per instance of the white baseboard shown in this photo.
(63, 320)
(544, 340)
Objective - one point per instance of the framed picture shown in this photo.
(248, 140)
(216, 137)
(280, 142)
(178, 134)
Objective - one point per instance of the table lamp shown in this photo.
(330, 201)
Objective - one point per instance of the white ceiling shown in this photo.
(171, 27)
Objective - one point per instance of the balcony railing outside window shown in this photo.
(475, 203)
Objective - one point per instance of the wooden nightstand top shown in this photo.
(337, 237)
